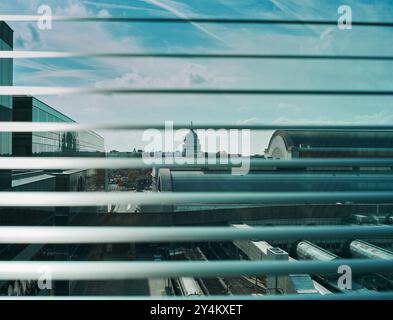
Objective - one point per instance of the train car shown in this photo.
(190, 287)
(306, 250)
(361, 249)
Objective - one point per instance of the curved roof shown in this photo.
(272, 181)
(331, 139)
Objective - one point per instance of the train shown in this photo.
(359, 249)
(190, 287)
(362, 249)
(306, 250)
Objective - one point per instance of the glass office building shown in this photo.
(6, 38)
(6, 44)
(50, 143)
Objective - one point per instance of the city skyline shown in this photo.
(202, 73)
(248, 156)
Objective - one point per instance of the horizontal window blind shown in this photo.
(184, 234)
(120, 270)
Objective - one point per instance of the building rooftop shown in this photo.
(6, 33)
(31, 179)
(288, 144)
(339, 139)
(42, 105)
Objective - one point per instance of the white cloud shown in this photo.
(378, 118)
(176, 9)
(381, 117)
(103, 13)
(122, 7)
(168, 74)
(212, 73)
(252, 120)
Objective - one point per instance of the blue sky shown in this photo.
(203, 73)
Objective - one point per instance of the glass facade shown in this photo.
(6, 66)
(6, 75)
(50, 143)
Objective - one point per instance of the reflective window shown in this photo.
(5, 101)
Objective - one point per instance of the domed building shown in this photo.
(192, 145)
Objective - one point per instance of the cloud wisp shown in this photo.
(180, 14)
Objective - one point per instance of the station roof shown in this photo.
(335, 139)
(274, 180)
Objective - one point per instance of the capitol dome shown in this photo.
(192, 145)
